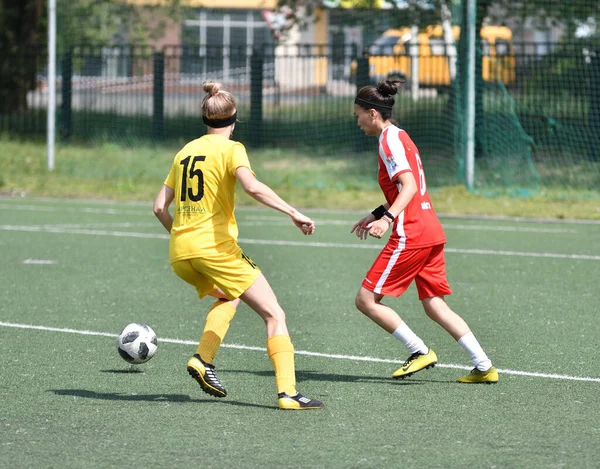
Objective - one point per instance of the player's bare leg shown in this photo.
(261, 298)
(421, 357)
(370, 305)
(439, 311)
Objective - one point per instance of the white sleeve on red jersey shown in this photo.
(393, 153)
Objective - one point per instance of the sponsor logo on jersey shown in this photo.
(191, 209)
(391, 162)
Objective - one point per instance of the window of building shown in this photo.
(437, 45)
(502, 47)
(224, 40)
(485, 47)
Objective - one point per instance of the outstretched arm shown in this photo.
(267, 196)
(161, 207)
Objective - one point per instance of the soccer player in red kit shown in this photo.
(415, 249)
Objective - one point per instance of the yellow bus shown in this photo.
(390, 55)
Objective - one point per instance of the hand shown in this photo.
(360, 227)
(378, 228)
(306, 225)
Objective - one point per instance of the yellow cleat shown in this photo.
(476, 376)
(297, 402)
(205, 376)
(416, 362)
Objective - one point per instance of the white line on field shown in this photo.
(451, 250)
(516, 229)
(58, 229)
(103, 211)
(142, 211)
(251, 220)
(300, 352)
(261, 220)
(96, 225)
(324, 221)
(12, 202)
(127, 234)
(39, 261)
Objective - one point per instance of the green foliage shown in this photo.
(544, 13)
(109, 21)
(23, 29)
(21, 35)
(352, 12)
(566, 70)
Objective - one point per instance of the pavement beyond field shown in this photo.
(73, 273)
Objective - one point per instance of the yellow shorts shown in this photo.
(231, 271)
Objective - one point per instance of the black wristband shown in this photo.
(379, 212)
(389, 215)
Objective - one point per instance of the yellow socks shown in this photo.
(281, 353)
(215, 328)
(279, 347)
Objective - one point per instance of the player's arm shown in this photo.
(360, 228)
(378, 228)
(161, 206)
(267, 196)
(409, 189)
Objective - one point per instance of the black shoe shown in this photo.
(204, 374)
(297, 402)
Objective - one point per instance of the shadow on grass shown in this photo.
(318, 376)
(124, 371)
(179, 398)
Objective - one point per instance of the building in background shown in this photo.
(218, 37)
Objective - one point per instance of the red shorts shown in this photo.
(395, 268)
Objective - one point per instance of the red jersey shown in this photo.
(417, 225)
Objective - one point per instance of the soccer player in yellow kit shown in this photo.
(203, 247)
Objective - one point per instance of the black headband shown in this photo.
(370, 105)
(220, 123)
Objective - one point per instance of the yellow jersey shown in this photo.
(203, 179)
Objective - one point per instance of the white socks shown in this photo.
(468, 342)
(411, 341)
(476, 353)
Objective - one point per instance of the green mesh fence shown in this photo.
(131, 73)
(504, 151)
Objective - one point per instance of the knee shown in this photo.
(436, 308)
(274, 315)
(361, 303)
(273, 323)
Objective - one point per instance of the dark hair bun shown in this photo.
(388, 87)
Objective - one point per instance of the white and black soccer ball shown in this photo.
(137, 343)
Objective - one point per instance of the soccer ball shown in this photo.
(137, 343)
